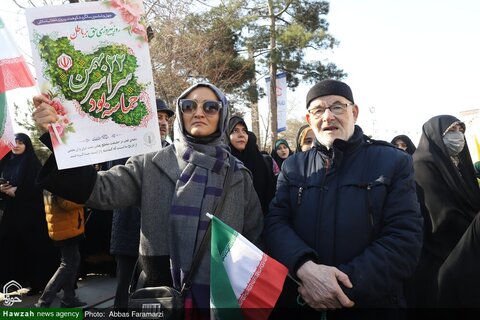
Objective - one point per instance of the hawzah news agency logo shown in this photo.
(9, 301)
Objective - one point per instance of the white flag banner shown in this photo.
(281, 100)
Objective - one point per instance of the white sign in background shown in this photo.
(281, 100)
(92, 60)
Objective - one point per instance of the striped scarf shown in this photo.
(196, 192)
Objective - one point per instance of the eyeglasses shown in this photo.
(210, 108)
(337, 109)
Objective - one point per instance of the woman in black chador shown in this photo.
(243, 145)
(449, 198)
(27, 252)
(405, 143)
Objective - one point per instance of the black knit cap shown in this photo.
(329, 87)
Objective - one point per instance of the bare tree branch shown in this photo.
(19, 5)
(284, 9)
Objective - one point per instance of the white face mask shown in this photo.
(454, 141)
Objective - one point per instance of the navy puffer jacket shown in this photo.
(356, 209)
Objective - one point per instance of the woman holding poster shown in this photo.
(185, 180)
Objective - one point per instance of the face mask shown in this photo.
(454, 141)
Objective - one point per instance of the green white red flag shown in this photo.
(245, 283)
(14, 73)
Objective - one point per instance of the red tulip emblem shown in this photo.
(64, 62)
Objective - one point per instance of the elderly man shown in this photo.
(345, 218)
(164, 114)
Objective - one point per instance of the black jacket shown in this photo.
(354, 208)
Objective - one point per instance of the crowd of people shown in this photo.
(358, 222)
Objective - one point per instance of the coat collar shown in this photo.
(341, 147)
(166, 161)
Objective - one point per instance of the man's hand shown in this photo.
(320, 288)
(44, 113)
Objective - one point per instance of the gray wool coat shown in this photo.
(125, 235)
(148, 181)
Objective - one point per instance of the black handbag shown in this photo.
(166, 302)
(156, 302)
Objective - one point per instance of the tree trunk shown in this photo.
(255, 122)
(253, 96)
(273, 75)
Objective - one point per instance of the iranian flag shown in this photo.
(14, 73)
(245, 283)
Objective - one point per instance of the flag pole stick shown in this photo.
(56, 133)
(294, 280)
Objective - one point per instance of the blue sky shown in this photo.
(409, 60)
(406, 60)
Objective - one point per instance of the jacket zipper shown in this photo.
(327, 167)
(300, 189)
(322, 189)
(370, 210)
(299, 196)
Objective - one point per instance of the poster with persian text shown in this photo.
(93, 63)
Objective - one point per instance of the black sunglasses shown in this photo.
(210, 108)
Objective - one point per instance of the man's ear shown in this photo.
(355, 111)
(307, 117)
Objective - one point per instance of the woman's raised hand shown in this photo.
(44, 113)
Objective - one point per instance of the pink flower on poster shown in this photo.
(63, 124)
(132, 13)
